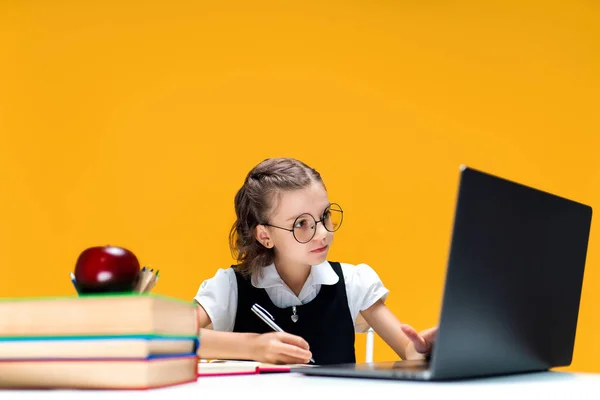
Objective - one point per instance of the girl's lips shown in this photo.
(320, 250)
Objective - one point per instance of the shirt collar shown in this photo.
(320, 274)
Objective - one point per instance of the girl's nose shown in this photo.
(321, 232)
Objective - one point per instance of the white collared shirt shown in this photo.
(219, 295)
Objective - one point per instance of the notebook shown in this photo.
(227, 367)
(134, 374)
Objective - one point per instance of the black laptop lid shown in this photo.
(513, 282)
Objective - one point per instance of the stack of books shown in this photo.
(109, 341)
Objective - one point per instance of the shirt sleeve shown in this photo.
(218, 296)
(363, 288)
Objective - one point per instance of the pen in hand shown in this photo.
(269, 320)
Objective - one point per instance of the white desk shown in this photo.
(285, 386)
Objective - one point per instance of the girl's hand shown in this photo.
(420, 344)
(280, 348)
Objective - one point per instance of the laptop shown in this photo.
(512, 290)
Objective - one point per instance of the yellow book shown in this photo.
(106, 314)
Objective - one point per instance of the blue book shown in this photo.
(96, 347)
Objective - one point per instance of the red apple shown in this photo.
(106, 269)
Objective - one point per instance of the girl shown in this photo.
(284, 229)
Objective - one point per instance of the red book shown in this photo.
(133, 374)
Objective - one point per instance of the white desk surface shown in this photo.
(284, 386)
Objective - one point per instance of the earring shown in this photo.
(268, 245)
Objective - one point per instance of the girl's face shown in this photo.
(290, 205)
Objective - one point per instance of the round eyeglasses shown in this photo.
(305, 225)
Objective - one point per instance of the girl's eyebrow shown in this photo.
(293, 218)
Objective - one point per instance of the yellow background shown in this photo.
(134, 123)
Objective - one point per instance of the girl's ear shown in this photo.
(263, 237)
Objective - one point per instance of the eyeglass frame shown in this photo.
(341, 211)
